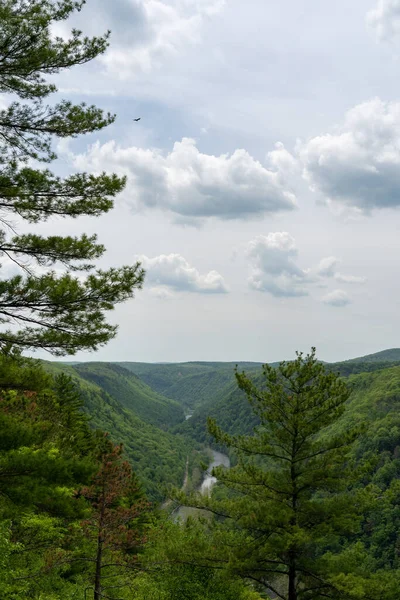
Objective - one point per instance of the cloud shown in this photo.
(336, 298)
(145, 32)
(384, 20)
(174, 272)
(349, 278)
(327, 266)
(359, 164)
(273, 268)
(193, 185)
(161, 293)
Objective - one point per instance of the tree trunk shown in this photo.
(292, 592)
(97, 577)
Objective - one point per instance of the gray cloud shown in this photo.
(274, 270)
(384, 20)
(273, 267)
(144, 32)
(192, 185)
(349, 278)
(327, 266)
(359, 164)
(337, 298)
(174, 272)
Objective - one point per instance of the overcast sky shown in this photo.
(263, 192)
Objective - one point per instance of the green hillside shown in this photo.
(157, 456)
(197, 384)
(191, 384)
(132, 393)
(391, 355)
(375, 398)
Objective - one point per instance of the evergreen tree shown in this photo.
(115, 525)
(46, 452)
(61, 313)
(174, 567)
(287, 501)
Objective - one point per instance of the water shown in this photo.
(209, 481)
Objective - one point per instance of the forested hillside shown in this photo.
(373, 398)
(50, 430)
(355, 451)
(204, 384)
(391, 355)
(158, 456)
(193, 383)
(366, 364)
(132, 393)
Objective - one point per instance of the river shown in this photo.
(218, 458)
(209, 481)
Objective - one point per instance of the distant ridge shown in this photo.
(391, 355)
(383, 356)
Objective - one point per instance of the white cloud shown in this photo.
(174, 272)
(384, 20)
(273, 268)
(359, 164)
(337, 298)
(167, 27)
(162, 293)
(349, 278)
(193, 185)
(327, 266)
(144, 32)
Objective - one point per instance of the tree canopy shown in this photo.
(287, 499)
(60, 310)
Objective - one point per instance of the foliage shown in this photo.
(352, 367)
(46, 450)
(229, 407)
(173, 568)
(391, 355)
(158, 456)
(192, 384)
(68, 497)
(290, 500)
(132, 393)
(61, 313)
(115, 525)
(66, 490)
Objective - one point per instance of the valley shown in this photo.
(160, 411)
(201, 500)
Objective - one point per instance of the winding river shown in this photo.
(218, 458)
(209, 481)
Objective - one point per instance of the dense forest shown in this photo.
(98, 460)
(56, 459)
(120, 404)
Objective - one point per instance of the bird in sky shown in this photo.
(138, 119)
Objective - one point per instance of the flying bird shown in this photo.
(138, 119)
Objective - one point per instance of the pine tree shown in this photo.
(61, 313)
(45, 441)
(287, 501)
(115, 525)
(46, 452)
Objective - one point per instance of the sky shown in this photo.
(263, 193)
